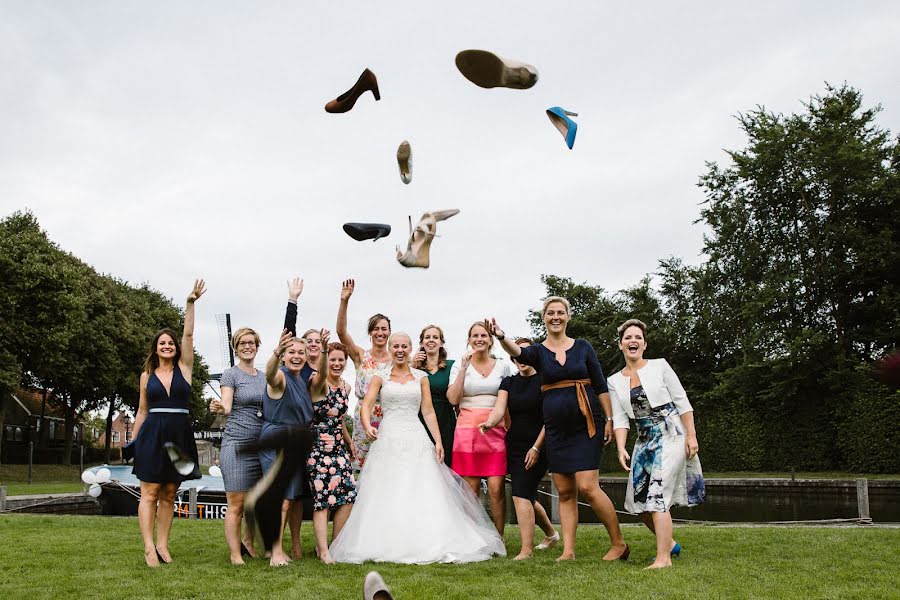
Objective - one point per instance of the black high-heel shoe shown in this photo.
(367, 231)
(246, 551)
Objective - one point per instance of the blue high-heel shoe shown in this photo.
(567, 127)
(676, 550)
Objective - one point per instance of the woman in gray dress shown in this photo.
(243, 389)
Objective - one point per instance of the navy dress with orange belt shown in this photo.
(169, 420)
(573, 425)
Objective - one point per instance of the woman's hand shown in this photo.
(483, 427)
(283, 343)
(420, 358)
(216, 406)
(691, 447)
(347, 288)
(199, 290)
(624, 457)
(295, 288)
(493, 328)
(439, 452)
(607, 432)
(531, 458)
(371, 432)
(324, 334)
(466, 359)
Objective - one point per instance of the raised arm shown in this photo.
(427, 408)
(511, 347)
(295, 288)
(356, 353)
(458, 378)
(187, 337)
(319, 378)
(274, 377)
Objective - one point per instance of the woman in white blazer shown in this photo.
(665, 469)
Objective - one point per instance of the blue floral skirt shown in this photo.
(661, 474)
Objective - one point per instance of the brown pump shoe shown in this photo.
(343, 103)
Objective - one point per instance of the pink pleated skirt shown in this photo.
(474, 454)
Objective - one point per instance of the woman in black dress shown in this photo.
(163, 417)
(575, 400)
(519, 401)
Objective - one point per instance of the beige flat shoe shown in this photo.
(404, 160)
(486, 69)
(419, 246)
(374, 588)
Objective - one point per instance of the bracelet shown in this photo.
(608, 419)
(535, 448)
(500, 337)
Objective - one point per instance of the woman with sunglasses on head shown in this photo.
(519, 402)
(243, 388)
(665, 469)
(575, 399)
(432, 358)
(163, 418)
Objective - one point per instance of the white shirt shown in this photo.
(661, 385)
(480, 391)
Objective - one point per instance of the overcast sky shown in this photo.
(161, 141)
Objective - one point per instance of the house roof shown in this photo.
(30, 400)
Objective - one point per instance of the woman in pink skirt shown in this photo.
(474, 383)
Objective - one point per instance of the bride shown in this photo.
(410, 507)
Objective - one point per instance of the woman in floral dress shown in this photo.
(368, 363)
(330, 465)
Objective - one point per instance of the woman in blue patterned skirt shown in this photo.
(665, 470)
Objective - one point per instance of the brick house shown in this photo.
(122, 431)
(20, 423)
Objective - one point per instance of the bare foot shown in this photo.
(150, 558)
(237, 560)
(279, 559)
(660, 564)
(325, 557)
(566, 556)
(164, 553)
(522, 556)
(296, 553)
(619, 552)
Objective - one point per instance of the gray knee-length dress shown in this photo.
(240, 470)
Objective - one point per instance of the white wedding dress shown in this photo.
(410, 508)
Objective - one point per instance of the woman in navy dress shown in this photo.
(519, 402)
(575, 398)
(287, 405)
(163, 417)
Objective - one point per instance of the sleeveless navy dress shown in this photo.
(168, 421)
(292, 410)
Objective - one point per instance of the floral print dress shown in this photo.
(329, 466)
(661, 475)
(367, 369)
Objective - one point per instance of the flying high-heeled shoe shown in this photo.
(486, 69)
(420, 238)
(567, 127)
(404, 159)
(367, 231)
(366, 82)
(183, 463)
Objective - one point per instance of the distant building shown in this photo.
(122, 431)
(20, 423)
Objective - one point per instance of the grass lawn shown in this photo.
(101, 557)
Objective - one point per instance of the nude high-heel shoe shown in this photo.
(343, 103)
(486, 69)
(420, 238)
(404, 160)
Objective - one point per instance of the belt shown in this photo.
(181, 411)
(583, 402)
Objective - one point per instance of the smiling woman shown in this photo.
(163, 419)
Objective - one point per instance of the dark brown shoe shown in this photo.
(344, 102)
